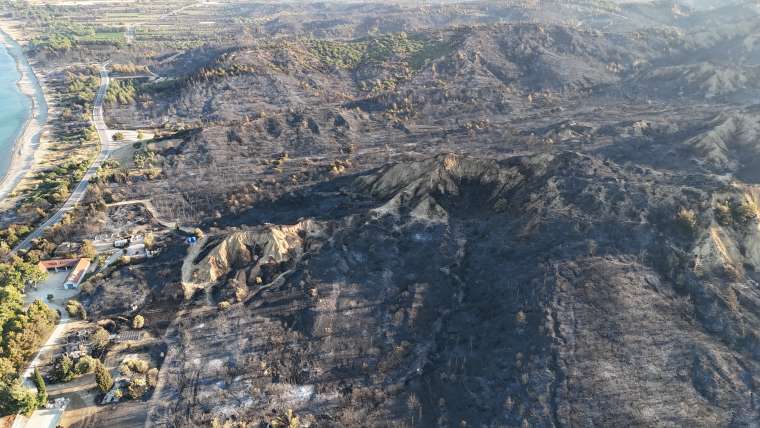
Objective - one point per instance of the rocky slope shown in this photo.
(547, 290)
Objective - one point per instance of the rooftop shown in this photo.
(80, 269)
(58, 264)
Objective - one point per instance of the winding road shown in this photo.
(106, 148)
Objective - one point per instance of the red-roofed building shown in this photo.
(57, 265)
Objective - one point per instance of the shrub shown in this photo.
(100, 339)
(138, 322)
(240, 293)
(119, 136)
(744, 212)
(137, 387)
(149, 241)
(75, 309)
(133, 365)
(223, 306)
(85, 365)
(152, 377)
(723, 214)
(687, 220)
(88, 250)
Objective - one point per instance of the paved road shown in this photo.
(106, 147)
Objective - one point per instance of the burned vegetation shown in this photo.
(470, 214)
(526, 286)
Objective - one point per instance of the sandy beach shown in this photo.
(28, 141)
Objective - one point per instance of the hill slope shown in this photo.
(548, 290)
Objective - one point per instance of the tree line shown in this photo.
(22, 331)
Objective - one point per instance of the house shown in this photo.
(77, 274)
(57, 265)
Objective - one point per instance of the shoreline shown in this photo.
(28, 140)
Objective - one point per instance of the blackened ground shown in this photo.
(550, 290)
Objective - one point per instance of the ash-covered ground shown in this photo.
(465, 214)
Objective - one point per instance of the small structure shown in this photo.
(77, 274)
(57, 265)
(128, 335)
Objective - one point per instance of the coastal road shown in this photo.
(106, 147)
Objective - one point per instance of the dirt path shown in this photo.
(187, 265)
(188, 285)
(154, 212)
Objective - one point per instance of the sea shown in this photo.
(15, 108)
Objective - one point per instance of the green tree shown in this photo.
(30, 273)
(7, 370)
(24, 332)
(103, 378)
(15, 398)
(39, 382)
(63, 369)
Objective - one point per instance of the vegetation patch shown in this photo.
(22, 331)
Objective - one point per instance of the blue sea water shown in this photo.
(15, 108)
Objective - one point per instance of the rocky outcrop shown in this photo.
(263, 245)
